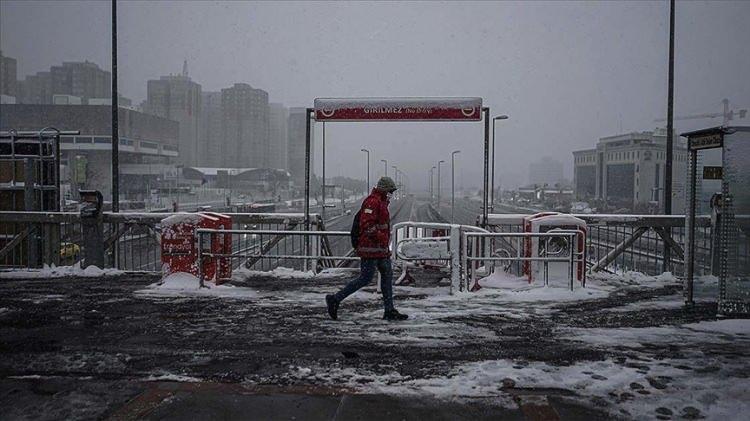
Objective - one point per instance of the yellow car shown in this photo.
(69, 251)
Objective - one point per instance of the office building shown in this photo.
(81, 79)
(178, 98)
(212, 143)
(8, 82)
(627, 171)
(245, 113)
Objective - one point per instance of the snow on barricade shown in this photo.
(185, 284)
(181, 218)
(51, 272)
(424, 249)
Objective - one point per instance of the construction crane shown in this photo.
(727, 114)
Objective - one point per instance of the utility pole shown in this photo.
(670, 133)
(385, 162)
(115, 122)
(432, 184)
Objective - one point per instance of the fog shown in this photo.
(566, 73)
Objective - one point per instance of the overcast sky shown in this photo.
(567, 73)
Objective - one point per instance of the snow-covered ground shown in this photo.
(624, 344)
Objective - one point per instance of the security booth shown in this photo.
(729, 209)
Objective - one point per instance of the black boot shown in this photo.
(333, 306)
(394, 315)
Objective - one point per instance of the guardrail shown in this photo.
(259, 249)
(618, 243)
(482, 247)
(131, 240)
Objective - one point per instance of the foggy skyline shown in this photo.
(566, 73)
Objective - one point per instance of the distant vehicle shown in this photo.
(204, 208)
(348, 212)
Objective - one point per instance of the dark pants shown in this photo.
(367, 271)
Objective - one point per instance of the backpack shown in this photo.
(354, 232)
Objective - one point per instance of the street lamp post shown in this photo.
(432, 184)
(395, 175)
(453, 184)
(385, 165)
(438, 185)
(367, 188)
(492, 191)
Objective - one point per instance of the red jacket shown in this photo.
(374, 226)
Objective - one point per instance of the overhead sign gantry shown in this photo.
(398, 109)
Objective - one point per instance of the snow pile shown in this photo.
(50, 272)
(181, 284)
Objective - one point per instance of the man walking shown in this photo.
(372, 241)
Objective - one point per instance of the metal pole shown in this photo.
(690, 246)
(453, 184)
(323, 189)
(492, 182)
(308, 113)
(115, 129)
(385, 164)
(367, 188)
(670, 130)
(485, 210)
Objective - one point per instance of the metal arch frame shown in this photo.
(308, 127)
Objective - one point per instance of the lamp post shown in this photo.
(438, 185)
(385, 165)
(367, 188)
(492, 191)
(395, 175)
(432, 191)
(453, 184)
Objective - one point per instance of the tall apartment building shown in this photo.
(245, 112)
(178, 98)
(546, 171)
(212, 143)
(35, 89)
(81, 79)
(279, 118)
(8, 68)
(628, 171)
(296, 130)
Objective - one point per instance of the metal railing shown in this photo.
(619, 243)
(259, 246)
(552, 246)
(131, 240)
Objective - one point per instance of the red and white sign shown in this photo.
(404, 109)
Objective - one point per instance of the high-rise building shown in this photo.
(214, 151)
(296, 130)
(627, 170)
(35, 89)
(82, 79)
(546, 171)
(177, 97)
(8, 67)
(279, 118)
(246, 125)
